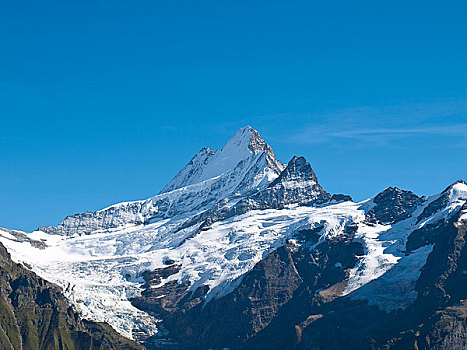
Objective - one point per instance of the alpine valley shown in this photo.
(241, 251)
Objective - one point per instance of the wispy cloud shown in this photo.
(320, 134)
(369, 125)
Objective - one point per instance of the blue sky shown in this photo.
(104, 101)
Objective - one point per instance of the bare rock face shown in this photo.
(392, 205)
(297, 184)
(446, 329)
(338, 197)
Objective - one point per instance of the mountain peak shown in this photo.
(459, 182)
(246, 138)
(298, 170)
(393, 205)
(243, 147)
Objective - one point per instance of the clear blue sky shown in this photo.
(104, 101)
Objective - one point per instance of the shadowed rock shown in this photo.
(393, 205)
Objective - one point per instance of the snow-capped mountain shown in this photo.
(239, 251)
(234, 162)
(244, 165)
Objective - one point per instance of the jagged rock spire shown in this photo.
(297, 184)
(297, 170)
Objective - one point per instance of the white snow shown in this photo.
(395, 287)
(100, 271)
(208, 164)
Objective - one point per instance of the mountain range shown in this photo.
(241, 251)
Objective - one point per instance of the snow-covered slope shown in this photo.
(208, 164)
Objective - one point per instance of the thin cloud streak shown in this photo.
(373, 125)
(458, 129)
(321, 135)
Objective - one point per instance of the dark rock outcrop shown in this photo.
(297, 184)
(393, 205)
(341, 198)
